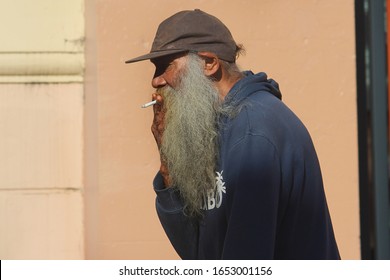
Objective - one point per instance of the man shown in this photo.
(239, 176)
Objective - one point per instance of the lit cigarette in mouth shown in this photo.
(146, 105)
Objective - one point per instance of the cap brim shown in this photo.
(154, 55)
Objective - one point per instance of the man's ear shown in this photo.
(212, 63)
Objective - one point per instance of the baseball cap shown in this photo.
(193, 31)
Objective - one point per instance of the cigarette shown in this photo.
(146, 105)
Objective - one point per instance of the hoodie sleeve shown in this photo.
(180, 229)
(253, 200)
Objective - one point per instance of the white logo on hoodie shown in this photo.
(214, 197)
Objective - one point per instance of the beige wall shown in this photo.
(306, 45)
(41, 124)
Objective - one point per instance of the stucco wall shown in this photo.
(306, 45)
(41, 124)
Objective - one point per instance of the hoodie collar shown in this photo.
(250, 84)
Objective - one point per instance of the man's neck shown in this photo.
(225, 85)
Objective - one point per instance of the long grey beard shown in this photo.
(190, 140)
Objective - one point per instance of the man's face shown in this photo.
(190, 139)
(168, 70)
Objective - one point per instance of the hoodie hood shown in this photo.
(252, 84)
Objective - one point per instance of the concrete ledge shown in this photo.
(41, 67)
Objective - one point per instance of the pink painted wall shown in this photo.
(306, 45)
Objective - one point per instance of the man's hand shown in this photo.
(158, 127)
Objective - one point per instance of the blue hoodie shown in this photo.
(269, 201)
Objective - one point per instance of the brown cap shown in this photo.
(192, 31)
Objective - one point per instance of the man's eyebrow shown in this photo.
(162, 61)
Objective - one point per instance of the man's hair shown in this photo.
(240, 50)
(231, 67)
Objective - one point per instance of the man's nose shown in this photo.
(158, 81)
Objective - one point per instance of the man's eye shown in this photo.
(168, 65)
(161, 68)
(165, 66)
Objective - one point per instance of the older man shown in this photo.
(239, 175)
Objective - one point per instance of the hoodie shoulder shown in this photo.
(261, 111)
